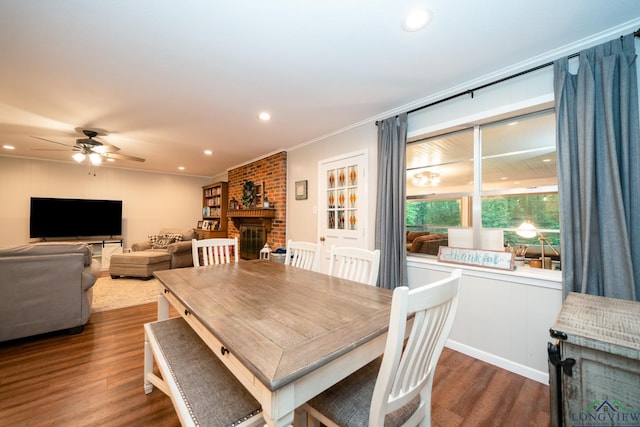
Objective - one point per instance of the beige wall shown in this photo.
(303, 165)
(150, 200)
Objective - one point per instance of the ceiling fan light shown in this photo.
(78, 157)
(100, 149)
(527, 229)
(95, 158)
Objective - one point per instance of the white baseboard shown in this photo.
(516, 368)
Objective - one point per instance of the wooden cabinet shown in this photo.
(214, 211)
(594, 369)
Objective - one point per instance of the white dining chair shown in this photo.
(395, 390)
(357, 264)
(214, 251)
(303, 255)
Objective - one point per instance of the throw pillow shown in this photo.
(153, 238)
(161, 241)
(177, 237)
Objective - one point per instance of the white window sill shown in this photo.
(523, 275)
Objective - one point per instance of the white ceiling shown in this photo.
(168, 79)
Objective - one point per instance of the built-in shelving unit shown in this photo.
(214, 211)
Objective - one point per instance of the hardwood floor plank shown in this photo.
(96, 379)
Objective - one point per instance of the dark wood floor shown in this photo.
(95, 379)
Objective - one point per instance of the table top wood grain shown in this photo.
(281, 322)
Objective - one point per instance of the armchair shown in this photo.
(45, 287)
(175, 242)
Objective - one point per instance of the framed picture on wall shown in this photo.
(301, 190)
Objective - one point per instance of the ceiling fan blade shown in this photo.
(105, 148)
(48, 140)
(50, 149)
(122, 157)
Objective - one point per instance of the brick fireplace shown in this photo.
(271, 173)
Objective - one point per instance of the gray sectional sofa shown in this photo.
(45, 287)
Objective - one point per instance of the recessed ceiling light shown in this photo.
(264, 116)
(416, 20)
(181, 168)
(110, 159)
(208, 152)
(8, 147)
(546, 160)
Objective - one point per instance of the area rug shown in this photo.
(109, 294)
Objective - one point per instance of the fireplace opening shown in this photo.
(252, 239)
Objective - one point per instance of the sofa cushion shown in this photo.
(189, 235)
(140, 258)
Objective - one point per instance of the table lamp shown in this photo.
(528, 230)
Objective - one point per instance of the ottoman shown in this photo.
(138, 264)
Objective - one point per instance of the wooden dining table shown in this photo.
(286, 333)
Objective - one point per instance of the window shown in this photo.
(487, 180)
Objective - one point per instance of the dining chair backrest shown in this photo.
(214, 251)
(357, 264)
(395, 389)
(303, 255)
(407, 368)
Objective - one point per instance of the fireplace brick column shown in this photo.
(272, 171)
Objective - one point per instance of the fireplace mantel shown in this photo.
(263, 215)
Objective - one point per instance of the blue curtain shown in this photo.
(599, 171)
(390, 205)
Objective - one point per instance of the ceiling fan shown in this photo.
(94, 149)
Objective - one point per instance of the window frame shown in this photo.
(477, 194)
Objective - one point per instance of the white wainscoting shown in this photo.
(503, 316)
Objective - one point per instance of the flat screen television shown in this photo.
(52, 217)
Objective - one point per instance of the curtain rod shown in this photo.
(471, 91)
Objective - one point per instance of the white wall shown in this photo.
(516, 96)
(503, 317)
(302, 164)
(150, 200)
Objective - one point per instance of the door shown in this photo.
(343, 205)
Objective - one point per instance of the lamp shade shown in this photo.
(95, 158)
(78, 157)
(526, 229)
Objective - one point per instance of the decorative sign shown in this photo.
(476, 257)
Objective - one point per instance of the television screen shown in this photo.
(74, 218)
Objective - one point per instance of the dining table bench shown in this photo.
(203, 391)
